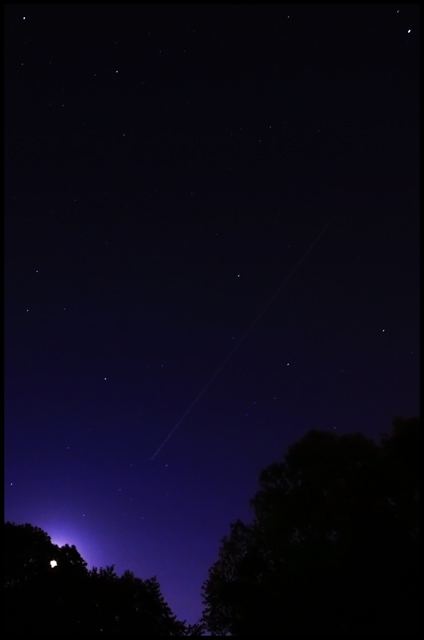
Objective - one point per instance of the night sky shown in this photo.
(166, 169)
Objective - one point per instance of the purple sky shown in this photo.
(166, 168)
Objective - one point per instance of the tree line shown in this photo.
(333, 550)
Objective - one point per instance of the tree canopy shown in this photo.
(49, 591)
(333, 548)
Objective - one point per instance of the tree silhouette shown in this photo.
(128, 605)
(334, 545)
(42, 580)
(65, 599)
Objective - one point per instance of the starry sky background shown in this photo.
(165, 170)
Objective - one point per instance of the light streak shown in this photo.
(244, 336)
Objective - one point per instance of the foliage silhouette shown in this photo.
(69, 600)
(333, 548)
